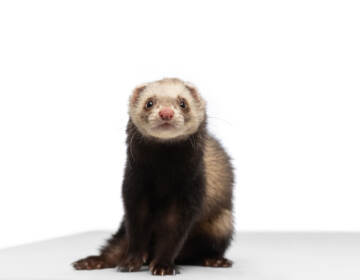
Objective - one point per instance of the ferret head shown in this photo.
(167, 109)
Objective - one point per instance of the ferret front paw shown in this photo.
(217, 262)
(162, 269)
(91, 262)
(132, 263)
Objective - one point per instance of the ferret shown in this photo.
(177, 186)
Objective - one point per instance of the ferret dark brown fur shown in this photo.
(177, 188)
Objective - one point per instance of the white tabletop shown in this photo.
(256, 256)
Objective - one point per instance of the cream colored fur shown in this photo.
(166, 93)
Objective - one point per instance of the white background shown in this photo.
(281, 79)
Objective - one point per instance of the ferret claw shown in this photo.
(166, 269)
(221, 262)
(91, 262)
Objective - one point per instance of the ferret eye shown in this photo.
(149, 104)
(182, 104)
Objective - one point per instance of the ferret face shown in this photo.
(167, 109)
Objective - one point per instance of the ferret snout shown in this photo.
(166, 113)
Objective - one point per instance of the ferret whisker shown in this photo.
(220, 119)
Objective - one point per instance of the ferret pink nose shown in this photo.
(166, 114)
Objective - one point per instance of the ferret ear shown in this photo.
(193, 91)
(136, 93)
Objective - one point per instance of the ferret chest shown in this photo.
(167, 170)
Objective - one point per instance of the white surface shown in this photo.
(256, 256)
(281, 79)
